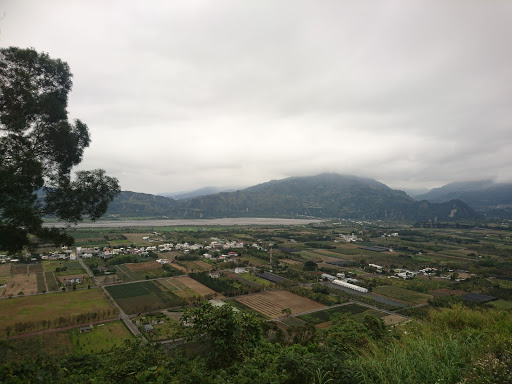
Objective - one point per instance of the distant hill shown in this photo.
(196, 193)
(133, 204)
(485, 196)
(326, 195)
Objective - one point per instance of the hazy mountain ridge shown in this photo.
(485, 196)
(196, 192)
(134, 204)
(325, 195)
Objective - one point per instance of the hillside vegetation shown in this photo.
(326, 195)
(454, 345)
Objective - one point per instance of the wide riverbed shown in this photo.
(194, 222)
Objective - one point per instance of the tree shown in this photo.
(310, 265)
(38, 149)
(229, 334)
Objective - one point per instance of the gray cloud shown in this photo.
(180, 95)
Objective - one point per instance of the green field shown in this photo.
(163, 331)
(256, 279)
(501, 304)
(32, 313)
(42, 346)
(328, 314)
(126, 275)
(71, 267)
(41, 286)
(102, 338)
(51, 282)
(143, 296)
(402, 294)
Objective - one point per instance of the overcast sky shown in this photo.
(179, 95)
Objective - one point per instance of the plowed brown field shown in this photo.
(272, 303)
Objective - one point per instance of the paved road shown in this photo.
(122, 315)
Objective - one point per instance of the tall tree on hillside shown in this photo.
(39, 146)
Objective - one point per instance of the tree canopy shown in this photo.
(39, 147)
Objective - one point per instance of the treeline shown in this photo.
(319, 293)
(224, 285)
(20, 328)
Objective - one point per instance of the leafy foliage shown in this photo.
(230, 335)
(38, 149)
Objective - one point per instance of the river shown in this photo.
(193, 222)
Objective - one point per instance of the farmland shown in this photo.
(147, 296)
(272, 303)
(102, 338)
(32, 313)
(63, 268)
(142, 271)
(404, 295)
(323, 319)
(146, 290)
(143, 296)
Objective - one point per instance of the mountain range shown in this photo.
(485, 196)
(196, 193)
(322, 196)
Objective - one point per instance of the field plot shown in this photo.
(63, 267)
(256, 279)
(41, 284)
(328, 314)
(272, 303)
(325, 252)
(392, 319)
(136, 238)
(290, 261)
(143, 296)
(187, 283)
(102, 338)
(401, 294)
(43, 346)
(126, 274)
(152, 269)
(34, 268)
(242, 280)
(5, 270)
(19, 269)
(51, 281)
(33, 313)
(196, 266)
(21, 283)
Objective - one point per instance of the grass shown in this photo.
(51, 282)
(5, 270)
(127, 275)
(102, 338)
(162, 331)
(41, 286)
(39, 346)
(402, 294)
(502, 304)
(440, 350)
(245, 308)
(72, 267)
(143, 296)
(256, 279)
(58, 309)
(328, 314)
